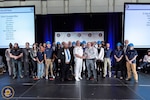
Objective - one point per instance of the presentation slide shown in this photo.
(81, 36)
(137, 24)
(17, 25)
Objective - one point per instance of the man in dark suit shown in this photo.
(64, 58)
(73, 44)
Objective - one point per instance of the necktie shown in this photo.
(67, 54)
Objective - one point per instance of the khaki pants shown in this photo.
(49, 63)
(133, 68)
(107, 63)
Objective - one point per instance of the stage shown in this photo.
(104, 89)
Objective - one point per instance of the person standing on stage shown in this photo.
(48, 56)
(118, 55)
(100, 57)
(71, 47)
(131, 56)
(64, 58)
(33, 55)
(90, 54)
(125, 49)
(27, 60)
(57, 69)
(83, 64)
(107, 60)
(78, 58)
(9, 60)
(16, 54)
(40, 62)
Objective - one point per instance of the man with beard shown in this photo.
(16, 54)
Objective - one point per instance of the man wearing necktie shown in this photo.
(64, 58)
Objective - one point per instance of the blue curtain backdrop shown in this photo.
(110, 23)
(113, 29)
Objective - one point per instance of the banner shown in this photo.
(81, 36)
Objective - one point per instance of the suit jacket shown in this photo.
(61, 55)
(72, 56)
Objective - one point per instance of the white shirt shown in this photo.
(7, 54)
(146, 58)
(78, 50)
(125, 48)
(100, 56)
(67, 55)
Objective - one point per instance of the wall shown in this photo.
(71, 6)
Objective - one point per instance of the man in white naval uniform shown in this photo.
(78, 58)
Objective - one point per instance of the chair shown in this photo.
(146, 68)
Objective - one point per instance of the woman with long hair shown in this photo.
(33, 55)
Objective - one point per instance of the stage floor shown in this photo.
(104, 89)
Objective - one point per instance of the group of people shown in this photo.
(71, 60)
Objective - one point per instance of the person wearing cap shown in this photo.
(48, 56)
(107, 60)
(99, 57)
(118, 55)
(83, 44)
(16, 54)
(131, 56)
(57, 65)
(90, 54)
(78, 58)
(73, 44)
(146, 59)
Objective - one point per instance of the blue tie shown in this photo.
(67, 54)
